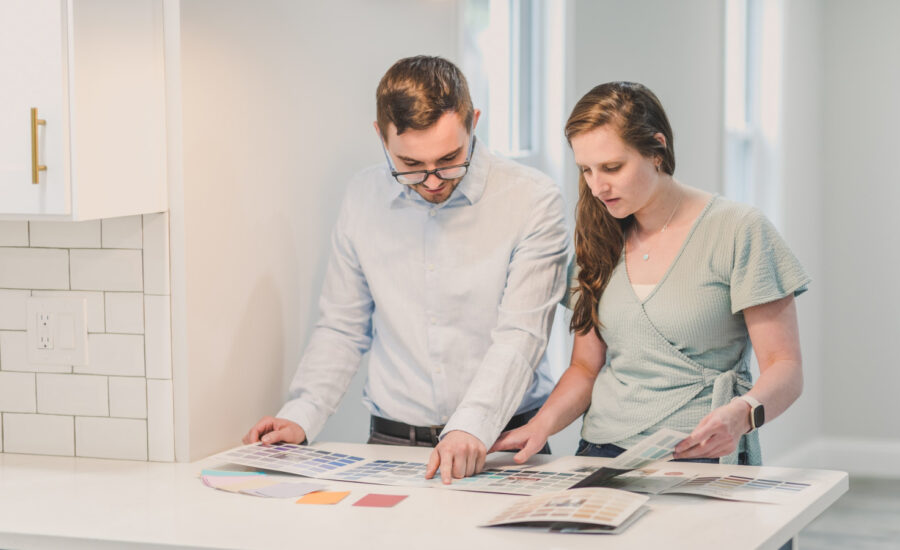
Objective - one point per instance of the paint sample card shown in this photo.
(230, 473)
(587, 510)
(239, 485)
(736, 487)
(640, 481)
(294, 459)
(284, 490)
(653, 448)
(323, 497)
(375, 500)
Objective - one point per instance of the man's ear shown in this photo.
(475, 115)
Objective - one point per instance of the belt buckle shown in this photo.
(435, 431)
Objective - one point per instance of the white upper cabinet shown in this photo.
(92, 72)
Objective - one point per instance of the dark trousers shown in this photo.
(390, 432)
(608, 450)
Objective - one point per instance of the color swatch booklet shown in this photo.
(594, 510)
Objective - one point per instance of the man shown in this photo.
(447, 265)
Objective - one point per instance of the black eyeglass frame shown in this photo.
(426, 173)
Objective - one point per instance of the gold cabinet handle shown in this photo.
(36, 168)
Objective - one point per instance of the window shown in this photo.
(753, 49)
(513, 53)
(500, 40)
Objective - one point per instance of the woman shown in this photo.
(673, 286)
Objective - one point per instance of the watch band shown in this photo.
(757, 411)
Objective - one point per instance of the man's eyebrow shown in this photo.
(409, 160)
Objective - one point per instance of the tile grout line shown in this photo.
(144, 311)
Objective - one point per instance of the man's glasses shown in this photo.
(445, 173)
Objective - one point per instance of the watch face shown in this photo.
(759, 416)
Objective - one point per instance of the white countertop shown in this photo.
(53, 502)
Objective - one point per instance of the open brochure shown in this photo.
(596, 510)
(654, 448)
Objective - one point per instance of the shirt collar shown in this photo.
(471, 188)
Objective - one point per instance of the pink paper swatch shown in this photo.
(379, 501)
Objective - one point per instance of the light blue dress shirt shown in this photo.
(454, 301)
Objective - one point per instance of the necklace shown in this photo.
(646, 255)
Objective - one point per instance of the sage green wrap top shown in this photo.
(685, 350)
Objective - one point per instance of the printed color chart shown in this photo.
(306, 461)
(734, 487)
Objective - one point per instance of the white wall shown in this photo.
(800, 204)
(861, 194)
(278, 104)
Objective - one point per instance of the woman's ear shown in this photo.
(661, 139)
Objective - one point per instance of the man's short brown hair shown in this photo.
(416, 91)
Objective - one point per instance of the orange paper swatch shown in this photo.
(323, 497)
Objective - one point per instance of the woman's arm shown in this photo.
(569, 399)
(775, 336)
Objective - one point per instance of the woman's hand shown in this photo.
(530, 438)
(718, 433)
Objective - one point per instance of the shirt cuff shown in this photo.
(474, 423)
(305, 416)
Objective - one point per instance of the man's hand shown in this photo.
(275, 430)
(459, 454)
(718, 433)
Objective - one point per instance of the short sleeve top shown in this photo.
(665, 352)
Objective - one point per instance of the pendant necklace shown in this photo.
(646, 255)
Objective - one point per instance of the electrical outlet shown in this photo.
(57, 331)
(45, 330)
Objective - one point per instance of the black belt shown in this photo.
(431, 433)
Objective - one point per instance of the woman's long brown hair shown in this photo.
(638, 116)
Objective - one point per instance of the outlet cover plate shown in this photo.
(62, 320)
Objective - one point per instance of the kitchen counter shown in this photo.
(64, 502)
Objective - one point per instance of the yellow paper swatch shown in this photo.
(323, 497)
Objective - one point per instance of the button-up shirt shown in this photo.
(454, 301)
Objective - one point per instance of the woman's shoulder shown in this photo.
(728, 215)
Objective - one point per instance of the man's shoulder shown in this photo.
(510, 175)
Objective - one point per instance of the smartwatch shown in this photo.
(757, 411)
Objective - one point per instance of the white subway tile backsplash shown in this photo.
(111, 438)
(34, 268)
(125, 312)
(106, 270)
(127, 397)
(41, 434)
(160, 420)
(95, 314)
(65, 234)
(124, 232)
(158, 337)
(13, 308)
(156, 253)
(17, 392)
(14, 354)
(120, 405)
(72, 394)
(13, 233)
(114, 355)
